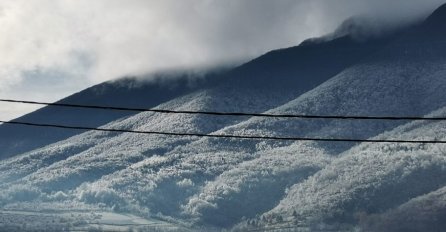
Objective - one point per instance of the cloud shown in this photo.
(105, 39)
(93, 41)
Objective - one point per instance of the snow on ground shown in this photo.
(251, 183)
(80, 221)
(372, 178)
(203, 179)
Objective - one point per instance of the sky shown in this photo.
(50, 49)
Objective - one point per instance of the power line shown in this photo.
(254, 137)
(347, 117)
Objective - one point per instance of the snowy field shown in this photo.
(80, 221)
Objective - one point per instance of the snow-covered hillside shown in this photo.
(125, 92)
(217, 183)
(370, 179)
(285, 68)
(402, 85)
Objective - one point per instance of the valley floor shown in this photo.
(11, 220)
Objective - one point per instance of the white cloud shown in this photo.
(96, 40)
(119, 38)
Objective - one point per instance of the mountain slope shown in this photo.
(426, 212)
(222, 182)
(388, 83)
(126, 92)
(293, 67)
(372, 178)
(67, 165)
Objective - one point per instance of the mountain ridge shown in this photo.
(295, 65)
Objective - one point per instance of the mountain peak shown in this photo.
(438, 17)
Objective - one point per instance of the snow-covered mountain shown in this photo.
(126, 92)
(371, 179)
(215, 183)
(297, 66)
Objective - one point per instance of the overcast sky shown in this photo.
(52, 48)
